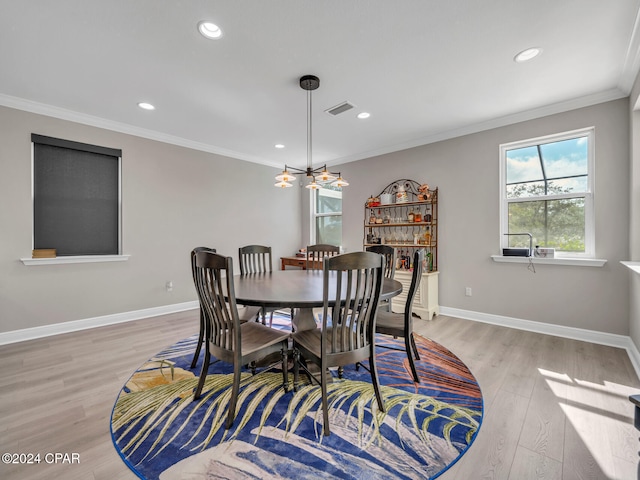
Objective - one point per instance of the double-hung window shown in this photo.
(327, 215)
(547, 191)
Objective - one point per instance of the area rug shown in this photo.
(161, 433)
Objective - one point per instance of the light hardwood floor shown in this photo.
(554, 408)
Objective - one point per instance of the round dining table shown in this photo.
(298, 289)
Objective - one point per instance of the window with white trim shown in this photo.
(547, 191)
(326, 224)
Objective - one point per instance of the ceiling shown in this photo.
(426, 70)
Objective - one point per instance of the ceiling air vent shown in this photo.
(340, 108)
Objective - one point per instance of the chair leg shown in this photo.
(285, 365)
(325, 403)
(200, 340)
(203, 373)
(374, 379)
(271, 319)
(415, 348)
(296, 369)
(231, 415)
(407, 345)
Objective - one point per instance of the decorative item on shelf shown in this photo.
(427, 215)
(373, 201)
(426, 236)
(401, 195)
(386, 198)
(417, 216)
(423, 192)
(320, 175)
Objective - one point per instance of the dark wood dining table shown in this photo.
(298, 289)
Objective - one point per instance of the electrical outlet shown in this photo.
(468, 292)
(169, 286)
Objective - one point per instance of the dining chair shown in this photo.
(257, 259)
(245, 313)
(228, 338)
(315, 254)
(347, 333)
(389, 254)
(400, 325)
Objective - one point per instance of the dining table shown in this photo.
(297, 289)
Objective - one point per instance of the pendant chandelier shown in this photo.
(319, 176)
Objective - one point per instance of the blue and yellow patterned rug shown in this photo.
(161, 433)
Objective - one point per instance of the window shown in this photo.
(76, 197)
(547, 191)
(327, 215)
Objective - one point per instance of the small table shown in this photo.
(297, 262)
(301, 289)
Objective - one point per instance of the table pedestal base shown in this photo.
(303, 320)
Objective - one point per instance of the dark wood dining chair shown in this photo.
(400, 325)
(246, 313)
(315, 254)
(389, 254)
(257, 259)
(228, 338)
(347, 334)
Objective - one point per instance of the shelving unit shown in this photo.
(391, 224)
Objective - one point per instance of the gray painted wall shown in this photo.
(634, 236)
(174, 199)
(466, 170)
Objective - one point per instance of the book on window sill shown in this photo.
(43, 253)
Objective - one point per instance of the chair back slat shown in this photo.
(418, 261)
(358, 284)
(315, 254)
(214, 282)
(389, 258)
(255, 259)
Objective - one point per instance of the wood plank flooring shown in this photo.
(554, 408)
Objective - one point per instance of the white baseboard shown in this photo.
(601, 338)
(84, 324)
(591, 336)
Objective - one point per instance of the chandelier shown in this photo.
(320, 175)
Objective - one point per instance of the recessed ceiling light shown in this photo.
(364, 115)
(209, 30)
(146, 106)
(279, 145)
(527, 54)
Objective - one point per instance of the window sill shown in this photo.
(576, 262)
(634, 266)
(75, 259)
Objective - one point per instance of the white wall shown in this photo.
(174, 199)
(634, 236)
(466, 171)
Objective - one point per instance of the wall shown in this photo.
(466, 170)
(174, 199)
(634, 223)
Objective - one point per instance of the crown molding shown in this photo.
(98, 122)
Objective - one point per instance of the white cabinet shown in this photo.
(425, 302)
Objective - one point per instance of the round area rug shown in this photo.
(161, 433)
